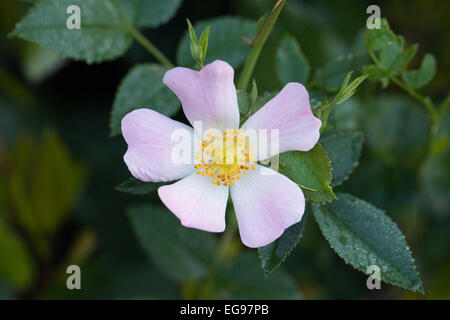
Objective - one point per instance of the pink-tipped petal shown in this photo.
(208, 95)
(150, 147)
(197, 202)
(289, 112)
(265, 205)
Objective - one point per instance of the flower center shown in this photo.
(225, 158)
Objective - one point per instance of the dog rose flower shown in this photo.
(265, 204)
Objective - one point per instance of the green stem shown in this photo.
(221, 253)
(150, 47)
(413, 93)
(139, 37)
(260, 39)
(426, 101)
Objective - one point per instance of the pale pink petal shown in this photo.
(289, 112)
(208, 95)
(266, 203)
(149, 137)
(197, 202)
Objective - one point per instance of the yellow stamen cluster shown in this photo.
(225, 158)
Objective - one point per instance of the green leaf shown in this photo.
(19, 192)
(192, 35)
(105, 25)
(331, 76)
(393, 59)
(311, 171)
(193, 41)
(38, 63)
(241, 278)
(180, 253)
(102, 36)
(203, 42)
(376, 39)
(55, 182)
(402, 61)
(376, 74)
(151, 13)
(200, 47)
(390, 52)
(395, 129)
(137, 187)
(291, 63)
(225, 41)
(142, 87)
(16, 264)
(272, 255)
(347, 116)
(346, 92)
(363, 235)
(316, 98)
(417, 79)
(343, 149)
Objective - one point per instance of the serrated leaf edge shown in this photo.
(413, 266)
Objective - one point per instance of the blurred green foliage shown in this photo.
(58, 166)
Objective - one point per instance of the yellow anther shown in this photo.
(224, 157)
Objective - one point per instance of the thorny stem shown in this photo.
(260, 39)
